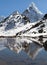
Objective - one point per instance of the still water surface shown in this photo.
(32, 54)
(8, 57)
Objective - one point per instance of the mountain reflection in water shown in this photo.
(20, 51)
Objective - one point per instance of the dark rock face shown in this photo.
(45, 16)
(10, 25)
(45, 45)
(40, 31)
(26, 19)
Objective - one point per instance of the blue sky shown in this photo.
(8, 6)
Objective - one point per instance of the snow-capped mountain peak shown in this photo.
(33, 6)
(15, 13)
(33, 13)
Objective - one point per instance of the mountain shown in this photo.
(15, 19)
(19, 31)
(33, 13)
